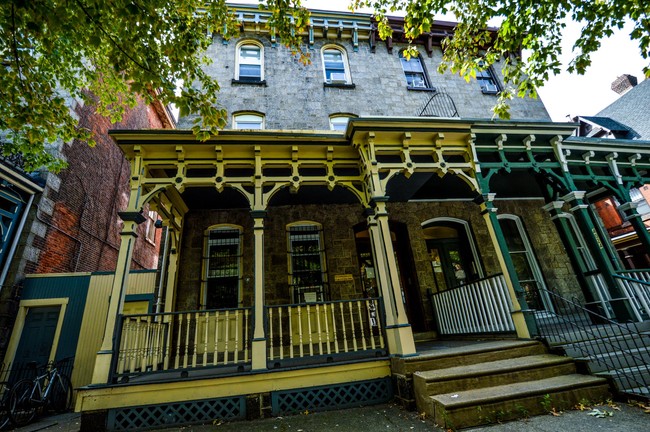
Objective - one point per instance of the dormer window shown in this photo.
(250, 62)
(416, 75)
(335, 66)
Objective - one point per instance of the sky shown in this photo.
(566, 95)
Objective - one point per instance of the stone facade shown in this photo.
(294, 97)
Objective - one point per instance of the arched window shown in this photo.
(250, 61)
(414, 71)
(339, 122)
(248, 120)
(335, 65)
(306, 260)
(222, 267)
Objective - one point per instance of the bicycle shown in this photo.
(49, 390)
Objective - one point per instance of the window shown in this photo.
(339, 122)
(416, 76)
(307, 275)
(250, 62)
(335, 66)
(488, 81)
(248, 121)
(151, 226)
(525, 263)
(222, 267)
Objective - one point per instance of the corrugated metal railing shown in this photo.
(482, 306)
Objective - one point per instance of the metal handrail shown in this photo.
(598, 334)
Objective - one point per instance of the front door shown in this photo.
(451, 266)
(37, 337)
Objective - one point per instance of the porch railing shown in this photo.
(621, 350)
(182, 340)
(482, 306)
(636, 286)
(331, 328)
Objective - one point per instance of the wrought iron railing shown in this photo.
(182, 340)
(438, 104)
(481, 306)
(636, 286)
(333, 328)
(621, 350)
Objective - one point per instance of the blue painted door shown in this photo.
(37, 338)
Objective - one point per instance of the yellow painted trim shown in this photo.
(47, 275)
(17, 332)
(91, 399)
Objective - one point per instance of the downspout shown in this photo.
(14, 244)
(163, 272)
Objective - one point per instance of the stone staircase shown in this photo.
(495, 381)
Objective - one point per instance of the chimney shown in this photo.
(624, 83)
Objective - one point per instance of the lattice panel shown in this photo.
(182, 413)
(332, 397)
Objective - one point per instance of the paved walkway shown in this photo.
(391, 418)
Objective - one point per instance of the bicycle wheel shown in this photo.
(60, 398)
(21, 407)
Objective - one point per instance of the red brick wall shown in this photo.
(83, 232)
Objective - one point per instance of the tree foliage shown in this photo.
(535, 26)
(109, 53)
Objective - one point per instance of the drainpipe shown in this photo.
(163, 271)
(14, 244)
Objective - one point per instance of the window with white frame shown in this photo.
(150, 234)
(250, 62)
(488, 81)
(222, 263)
(248, 121)
(307, 273)
(339, 122)
(335, 65)
(416, 75)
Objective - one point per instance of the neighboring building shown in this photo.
(348, 206)
(625, 119)
(67, 223)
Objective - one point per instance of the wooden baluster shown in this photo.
(206, 339)
(343, 325)
(186, 353)
(156, 346)
(280, 331)
(334, 333)
(195, 345)
(227, 337)
(121, 360)
(136, 346)
(237, 314)
(327, 329)
(300, 329)
(291, 345)
(379, 328)
(271, 351)
(167, 330)
(354, 335)
(246, 328)
(216, 338)
(146, 341)
(361, 326)
(311, 345)
(318, 327)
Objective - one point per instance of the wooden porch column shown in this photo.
(259, 335)
(399, 334)
(104, 358)
(521, 316)
(172, 271)
(581, 211)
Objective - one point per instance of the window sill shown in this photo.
(339, 85)
(490, 92)
(252, 83)
(422, 89)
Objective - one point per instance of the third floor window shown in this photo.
(416, 75)
(335, 66)
(250, 62)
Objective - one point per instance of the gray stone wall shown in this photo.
(338, 223)
(294, 96)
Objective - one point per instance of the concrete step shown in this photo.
(569, 333)
(625, 379)
(475, 407)
(489, 374)
(466, 355)
(606, 345)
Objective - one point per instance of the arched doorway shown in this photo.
(410, 288)
(452, 252)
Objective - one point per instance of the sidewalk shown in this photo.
(391, 418)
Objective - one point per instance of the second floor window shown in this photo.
(250, 62)
(335, 66)
(488, 81)
(416, 75)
